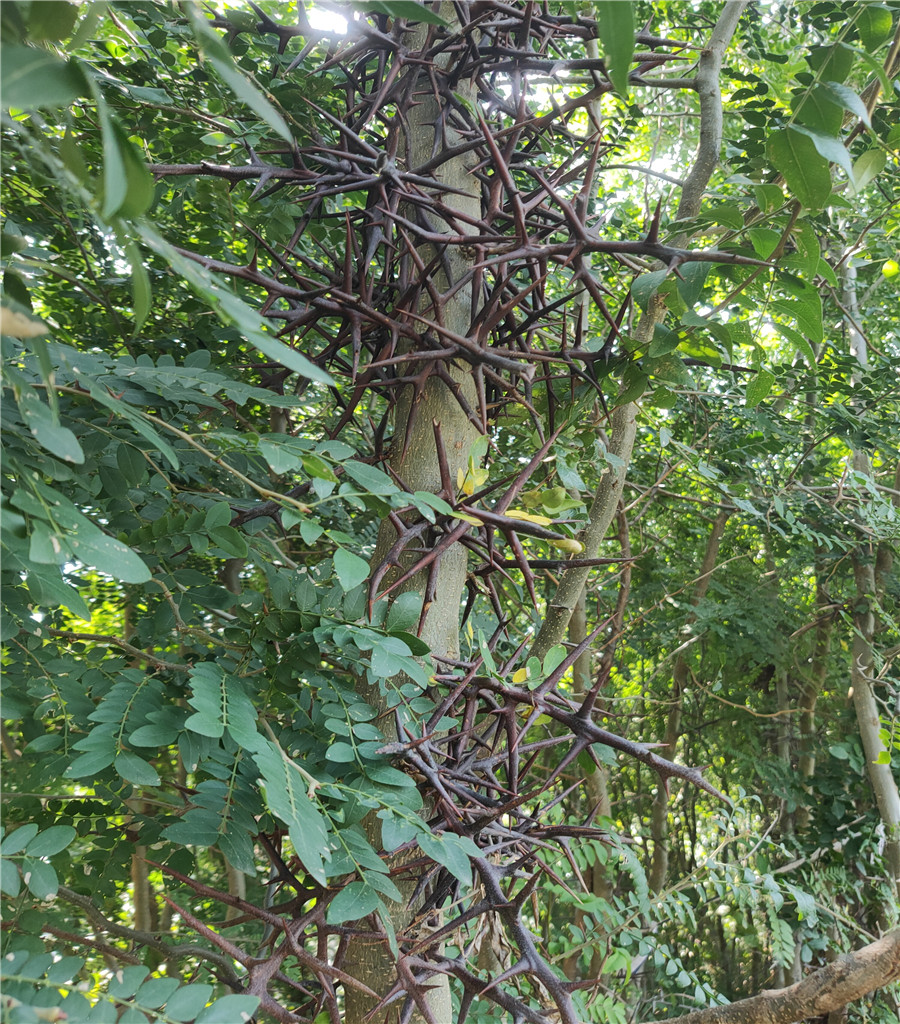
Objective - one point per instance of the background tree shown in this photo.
(344, 361)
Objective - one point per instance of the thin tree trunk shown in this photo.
(623, 426)
(659, 817)
(810, 689)
(881, 777)
(870, 566)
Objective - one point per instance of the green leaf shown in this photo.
(867, 167)
(188, 1001)
(351, 569)
(874, 22)
(340, 753)
(453, 851)
(230, 540)
(90, 763)
(818, 108)
(807, 311)
(397, 831)
(209, 698)
(758, 387)
(115, 178)
(217, 515)
(370, 478)
(18, 839)
(10, 879)
(135, 769)
(40, 877)
(797, 340)
(644, 287)
(138, 180)
(220, 58)
(849, 100)
(33, 77)
(127, 980)
(353, 902)
(830, 148)
(51, 841)
(615, 26)
(690, 284)
(134, 419)
(831, 63)
(93, 547)
(806, 172)
(553, 659)
(285, 791)
(404, 612)
(669, 368)
(768, 198)
(806, 904)
(46, 429)
(155, 991)
(140, 286)
(318, 468)
(232, 309)
(229, 1010)
(416, 645)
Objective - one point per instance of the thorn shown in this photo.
(653, 233)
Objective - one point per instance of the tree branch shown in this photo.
(223, 963)
(123, 645)
(850, 977)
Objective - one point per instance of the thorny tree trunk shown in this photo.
(415, 461)
(372, 962)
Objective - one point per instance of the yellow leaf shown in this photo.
(467, 519)
(467, 481)
(574, 547)
(515, 513)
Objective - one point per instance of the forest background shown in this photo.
(450, 492)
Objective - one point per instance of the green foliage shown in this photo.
(38, 988)
(202, 676)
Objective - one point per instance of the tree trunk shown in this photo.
(659, 819)
(414, 458)
(810, 689)
(870, 563)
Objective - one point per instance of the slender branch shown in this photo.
(114, 641)
(223, 963)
